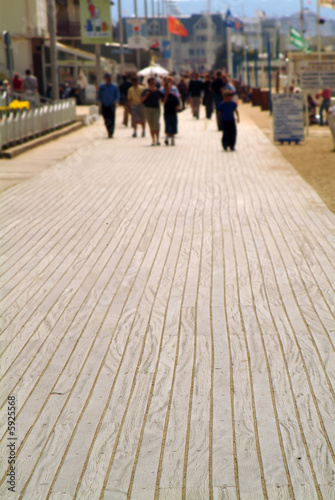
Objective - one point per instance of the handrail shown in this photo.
(21, 126)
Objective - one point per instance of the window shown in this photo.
(153, 29)
(201, 38)
(201, 25)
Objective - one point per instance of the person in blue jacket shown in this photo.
(227, 110)
(108, 97)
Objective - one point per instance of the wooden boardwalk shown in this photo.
(168, 323)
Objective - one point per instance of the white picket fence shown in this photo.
(30, 124)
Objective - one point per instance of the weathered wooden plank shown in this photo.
(104, 381)
(173, 457)
(198, 471)
(225, 493)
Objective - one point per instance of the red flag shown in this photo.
(176, 27)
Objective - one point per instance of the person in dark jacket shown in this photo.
(226, 111)
(151, 98)
(108, 97)
(171, 103)
(195, 88)
(208, 100)
(220, 83)
(182, 88)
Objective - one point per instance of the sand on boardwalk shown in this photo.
(313, 159)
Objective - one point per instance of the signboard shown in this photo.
(166, 49)
(136, 34)
(95, 21)
(317, 74)
(288, 120)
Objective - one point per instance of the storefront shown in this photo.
(77, 68)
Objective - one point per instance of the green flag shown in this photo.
(298, 40)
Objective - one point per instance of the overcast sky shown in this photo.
(237, 7)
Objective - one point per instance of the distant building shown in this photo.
(68, 19)
(196, 51)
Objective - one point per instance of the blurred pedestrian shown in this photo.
(5, 87)
(220, 83)
(67, 92)
(195, 88)
(17, 84)
(136, 106)
(151, 98)
(311, 106)
(171, 103)
(226, 115)
(182, 88)
(326, 95)
(30, 87)
(217, 86)
(208, 100)
(123, 89)
(108, 97)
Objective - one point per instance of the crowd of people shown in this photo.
(25, 87)
(142, 104)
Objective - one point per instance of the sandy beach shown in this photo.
(313, 159)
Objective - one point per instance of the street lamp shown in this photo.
(51, 11)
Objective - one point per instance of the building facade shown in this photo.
(27, 23)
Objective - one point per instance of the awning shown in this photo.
(83, 54)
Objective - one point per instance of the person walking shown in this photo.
(123, 89)
(226, 111)
(208, 100)
(108, 97)
(17, 84)
(171, 103)
(195, 89)
(136, 106)
(216, 87)
(30, 87)
(151, 98)
(326, 95)
(182, 88)
(220, 83)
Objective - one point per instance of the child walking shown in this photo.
(226, 111)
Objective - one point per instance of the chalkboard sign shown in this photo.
(288, 119)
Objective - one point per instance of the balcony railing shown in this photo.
(68, 28)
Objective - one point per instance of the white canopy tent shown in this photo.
(153, 69)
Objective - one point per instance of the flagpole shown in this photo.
(318, 29)
(247, 63)
(146, 18)
(209, 37)
(256, 68)
(121, 36)
(138, 55)
(302, 16)
(269, 72)
(169, 35)
(229, 53)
